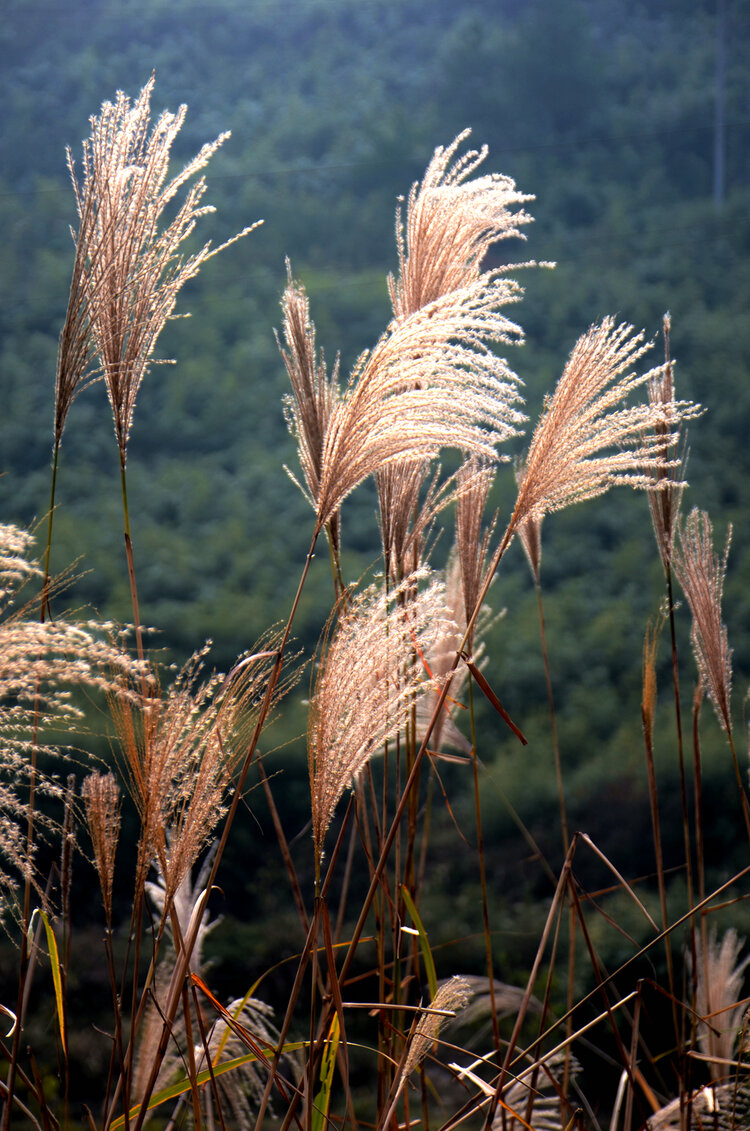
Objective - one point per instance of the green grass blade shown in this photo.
(184, 1085)
(429, 963)
(323, 1098)
(56, 972)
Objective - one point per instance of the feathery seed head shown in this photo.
(720, 978)
(431, 382)
(309, 409)
(101, 796)
(441, 661)
(587, 439)
(452, 218)
(701, 572)
(450, 998)
(367, 684)
(408, 510)
(648, 694)
(130, 264)
(40, 665)
(179, 748)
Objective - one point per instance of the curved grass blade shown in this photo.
(56, 972)
(322, 1099)
(490, 695)
(424, 943)
(203, 1077)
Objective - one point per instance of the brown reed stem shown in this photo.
(129, 557)
(680, 742)
(552, 716)
(483, 870)
(656, 830)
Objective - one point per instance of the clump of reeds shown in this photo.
(396, 658)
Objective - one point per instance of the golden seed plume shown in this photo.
(587, 438)
(75, 351)
(409, 505)
(452, 219)
(719, 1000)
(134, 266)
(701, 572)
(431, 382)
(366, 687)
(441, 661)
(648, 692)
(309, 409)
(101, 796)
(42, 662)
(450, 998)
(178, 751)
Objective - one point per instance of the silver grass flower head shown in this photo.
(240, 1091)
(410, 500)
(700, 572)
(42, 664)
(719, 998)
(451, 997)
(452, 219)
(369, 678)
(431, 382)
(314, 393)
(588, 439)
(178, 750)
(441, 661)
(135, 265)
(102, 801)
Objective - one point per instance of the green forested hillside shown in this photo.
(606, 114)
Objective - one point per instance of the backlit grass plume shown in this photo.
(40, 665)
(700, 572)
(178, 750)
(719, 1000)
(451, 997)
(452, 219)
(410, 499)
(366, 688)
(588, 439)
(136, 267)
(102, 800)
(309, 409)
(432, 381)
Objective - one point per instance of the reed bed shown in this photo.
(375, 1032)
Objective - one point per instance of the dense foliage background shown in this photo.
(607, 113)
